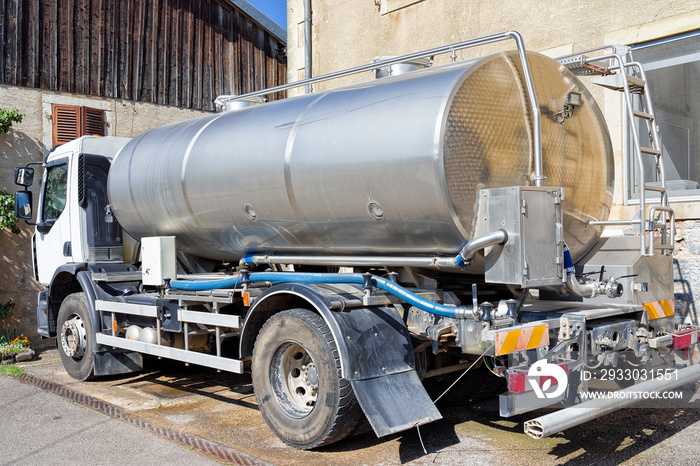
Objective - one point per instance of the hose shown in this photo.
(587, 290)
(409, 297)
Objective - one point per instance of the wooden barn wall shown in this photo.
(173, 52)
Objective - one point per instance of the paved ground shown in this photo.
(221, 407)
(42, 428)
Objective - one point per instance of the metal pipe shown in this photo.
(307, 43)
(353, 261)
(588, 290)
(465, 256)
(468, 252)
(582, 290)
(549, 424)
(610, 287)
(536, 133)
(652, 215)
(614, 222)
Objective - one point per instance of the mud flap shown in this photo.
(376, 351)
(395, 402)
(117, 363)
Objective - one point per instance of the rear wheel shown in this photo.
(75, 339)
(298, 383)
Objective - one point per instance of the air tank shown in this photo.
(387, 167)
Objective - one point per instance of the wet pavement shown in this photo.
(221, 408)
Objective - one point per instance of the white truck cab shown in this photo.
(70, 216)
(73, 194)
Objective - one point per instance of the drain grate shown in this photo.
(207, 447)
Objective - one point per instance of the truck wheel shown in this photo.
(298, 383)
(74, 339)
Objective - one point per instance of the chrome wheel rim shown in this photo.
(294, 378)
(73, 337)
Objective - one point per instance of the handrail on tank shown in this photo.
(538, 177)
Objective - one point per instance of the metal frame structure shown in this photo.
(614, 65)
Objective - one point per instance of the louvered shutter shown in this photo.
(66, 123)
(93, 122)
(72, 121)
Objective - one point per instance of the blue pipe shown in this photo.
(326, 278)
(568, 263)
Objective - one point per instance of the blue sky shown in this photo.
(276, 10)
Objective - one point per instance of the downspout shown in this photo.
(307, 43)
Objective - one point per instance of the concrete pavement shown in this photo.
(38, 427)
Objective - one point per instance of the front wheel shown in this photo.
(298, 383)
(75, 339)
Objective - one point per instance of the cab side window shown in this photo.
(55, 192)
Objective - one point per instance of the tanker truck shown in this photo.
(350, 247)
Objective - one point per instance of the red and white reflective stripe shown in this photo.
(686, 338)
(658, 309)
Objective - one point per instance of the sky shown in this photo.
(276, 10)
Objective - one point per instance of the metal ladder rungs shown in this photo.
(614, 82)
(649, 150)
(668, 247)
(658, 189)
(644, 115)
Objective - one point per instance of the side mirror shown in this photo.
(23, 204)
(24, 176)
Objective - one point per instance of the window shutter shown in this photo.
(72, 121)
(93, 122)
(66, 123)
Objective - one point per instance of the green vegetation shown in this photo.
(6, 332)
(7, 117)
(8, 219)
(6, 309)
(11, 369)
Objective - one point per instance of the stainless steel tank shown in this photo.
(388, 167)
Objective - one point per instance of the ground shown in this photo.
(221, 407)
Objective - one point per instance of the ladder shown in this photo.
(616, 70)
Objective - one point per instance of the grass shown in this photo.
(11, 369)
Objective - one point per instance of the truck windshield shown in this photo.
(55, 192)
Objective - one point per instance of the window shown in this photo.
(72, 121)
(55, 192)
(673, 72)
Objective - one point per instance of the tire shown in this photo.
(74, 337)
(294, 349)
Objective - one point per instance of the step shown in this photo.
(614, 82)
(649, 150)
(643, 115)
(658, 189)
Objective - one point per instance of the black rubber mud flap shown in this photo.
(117, 363)
(395, 402)
(376, 349)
